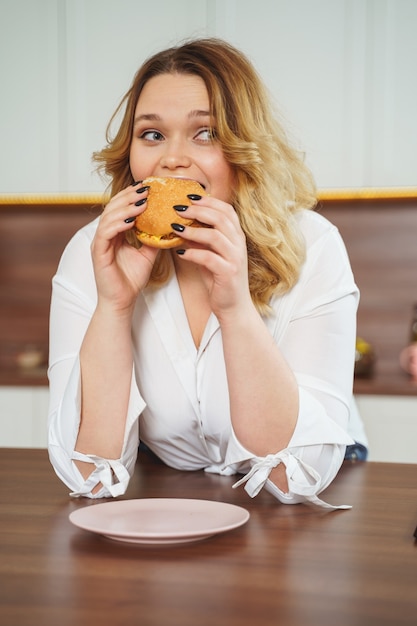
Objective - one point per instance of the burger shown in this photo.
(153, 226)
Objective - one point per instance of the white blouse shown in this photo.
(179, 402)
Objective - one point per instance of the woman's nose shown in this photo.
(175, 156)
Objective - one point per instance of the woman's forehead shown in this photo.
(187, 91)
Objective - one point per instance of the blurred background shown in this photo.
(343, 76)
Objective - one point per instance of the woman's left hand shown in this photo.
(220, 251)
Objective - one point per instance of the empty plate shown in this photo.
(159, 521)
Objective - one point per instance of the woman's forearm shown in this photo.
(106, 372)
(263, 390)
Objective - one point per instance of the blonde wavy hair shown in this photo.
(272, 180)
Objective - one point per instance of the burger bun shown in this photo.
(153, 226)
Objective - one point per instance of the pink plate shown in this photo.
(159, 521)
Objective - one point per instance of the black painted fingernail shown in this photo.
(178, 227)
(181, 251)
(129, 220)
(137, 183)
(180, 207)
(142, 189)
(194, 196)
(140, 202)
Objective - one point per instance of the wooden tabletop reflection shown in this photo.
(289, 565)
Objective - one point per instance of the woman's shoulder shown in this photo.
(78, 249)
(85, 233)
(318, 231)
(324, 244)
(314, 225)
(83, 237)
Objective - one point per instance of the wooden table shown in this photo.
(289, 565)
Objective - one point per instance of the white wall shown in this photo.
(23, 417)
(391, 427)
(342, 71)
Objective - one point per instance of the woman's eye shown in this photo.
(151, 135)
(206, 134)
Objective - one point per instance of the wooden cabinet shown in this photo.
(387, 402)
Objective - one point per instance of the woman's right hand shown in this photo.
(121, 270)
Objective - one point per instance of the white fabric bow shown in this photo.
(303, 479)
(110, 473)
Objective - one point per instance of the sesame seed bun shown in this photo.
(153, 226)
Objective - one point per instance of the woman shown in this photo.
(235, 352)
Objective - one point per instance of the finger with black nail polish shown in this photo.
(142, 189)
(179, 228)
(194, 196)
(180, 207)
(129, 220)
(141, 201)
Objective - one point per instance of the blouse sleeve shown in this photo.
(316, 330)
(72, 306)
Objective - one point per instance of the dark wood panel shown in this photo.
(380, 235)
(381, 239)
(32, 239)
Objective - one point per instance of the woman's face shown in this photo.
(172, 135)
